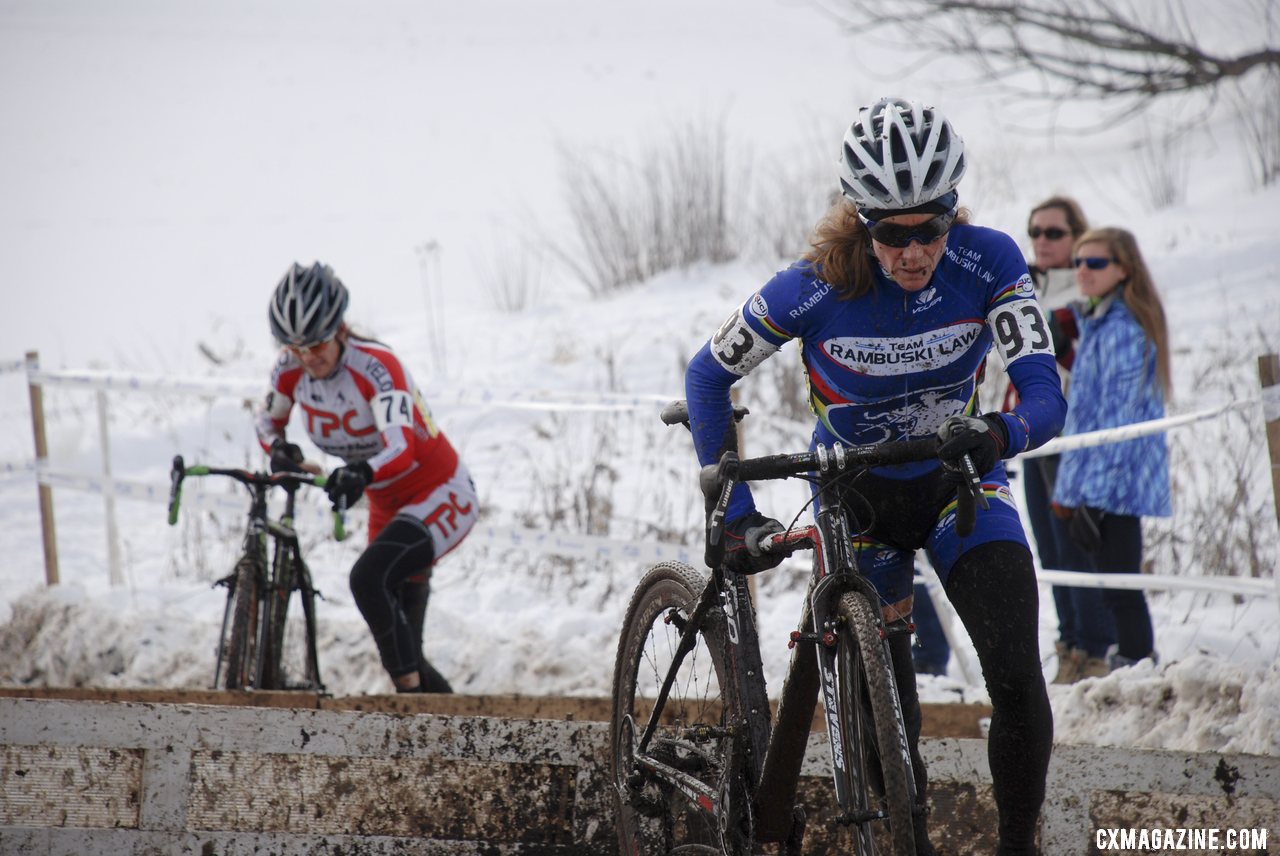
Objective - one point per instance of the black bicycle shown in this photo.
(698, 766)
(251, 644)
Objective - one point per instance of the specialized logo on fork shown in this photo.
(730, 615)
(833, 721)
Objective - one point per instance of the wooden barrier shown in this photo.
(146, 777)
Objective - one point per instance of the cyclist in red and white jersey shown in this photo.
(360, 404)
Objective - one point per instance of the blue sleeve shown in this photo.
(1021, 337)
(1041, 410)
(706, 387)
(749, 337)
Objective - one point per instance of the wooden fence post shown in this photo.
(1269, 375)
(42, 459)
(109, 494)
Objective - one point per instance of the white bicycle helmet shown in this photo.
(899, 154)
(307, 306)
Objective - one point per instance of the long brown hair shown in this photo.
(840, 250)
(1139, 293)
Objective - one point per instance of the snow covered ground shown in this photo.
(171, 163)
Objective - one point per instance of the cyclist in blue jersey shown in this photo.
(895, 307)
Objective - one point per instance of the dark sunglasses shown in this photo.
(1092, 262)
(313, 350)
(1053, 233)
(898, 236)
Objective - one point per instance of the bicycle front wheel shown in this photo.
(239, 670)
(874, 739)
(288, 647)
(276, 615)
(695, 731)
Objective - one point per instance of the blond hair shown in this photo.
(1139, 293)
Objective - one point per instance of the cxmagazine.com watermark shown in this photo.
(1159, 840)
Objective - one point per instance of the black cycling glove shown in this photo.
(742, 544)
(984, 439)
(348, 482)
(285, 457)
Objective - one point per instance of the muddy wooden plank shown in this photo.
(79, 842)
(230, 729)
(69, 786)
(427, 798)
(939, 720)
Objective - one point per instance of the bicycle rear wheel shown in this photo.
(653, 817)
(877, 760)
(239, 671)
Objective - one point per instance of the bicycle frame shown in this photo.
(277, 591)
(775, 755)
(271, 592)
(810, 678)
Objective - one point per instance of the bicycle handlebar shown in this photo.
(838, 458)
(288, 480)
(717, 481)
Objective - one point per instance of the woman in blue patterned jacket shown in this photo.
(1120, 376)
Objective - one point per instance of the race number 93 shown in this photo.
(1020, 329)
(739, 348)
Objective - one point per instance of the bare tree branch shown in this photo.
(1094, 48)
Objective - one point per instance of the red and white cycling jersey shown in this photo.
(367, 410)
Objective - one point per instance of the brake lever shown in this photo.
(973, 480)
(717, 484)
(176, 475)
(340, 519)
(968, 495)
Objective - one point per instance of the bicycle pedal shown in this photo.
(858, 818)
(706, 733)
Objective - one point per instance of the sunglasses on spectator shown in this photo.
(899, 236)
(1053, 233)
(312, 350)
(1092, 262)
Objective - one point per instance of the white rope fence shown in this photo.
(255, 388)
(595, 547)
(1270, 400)
(567, 544)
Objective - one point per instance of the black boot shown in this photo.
(920, 828)
(432, 681)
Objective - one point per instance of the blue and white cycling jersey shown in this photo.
(891, 364)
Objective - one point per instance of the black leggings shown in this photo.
(993, 589)
(1122, 553)
(393, 605)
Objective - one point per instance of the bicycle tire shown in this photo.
(877, 760)
(242, 639)
(271, 673)
(307, 593)
(652, 817)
